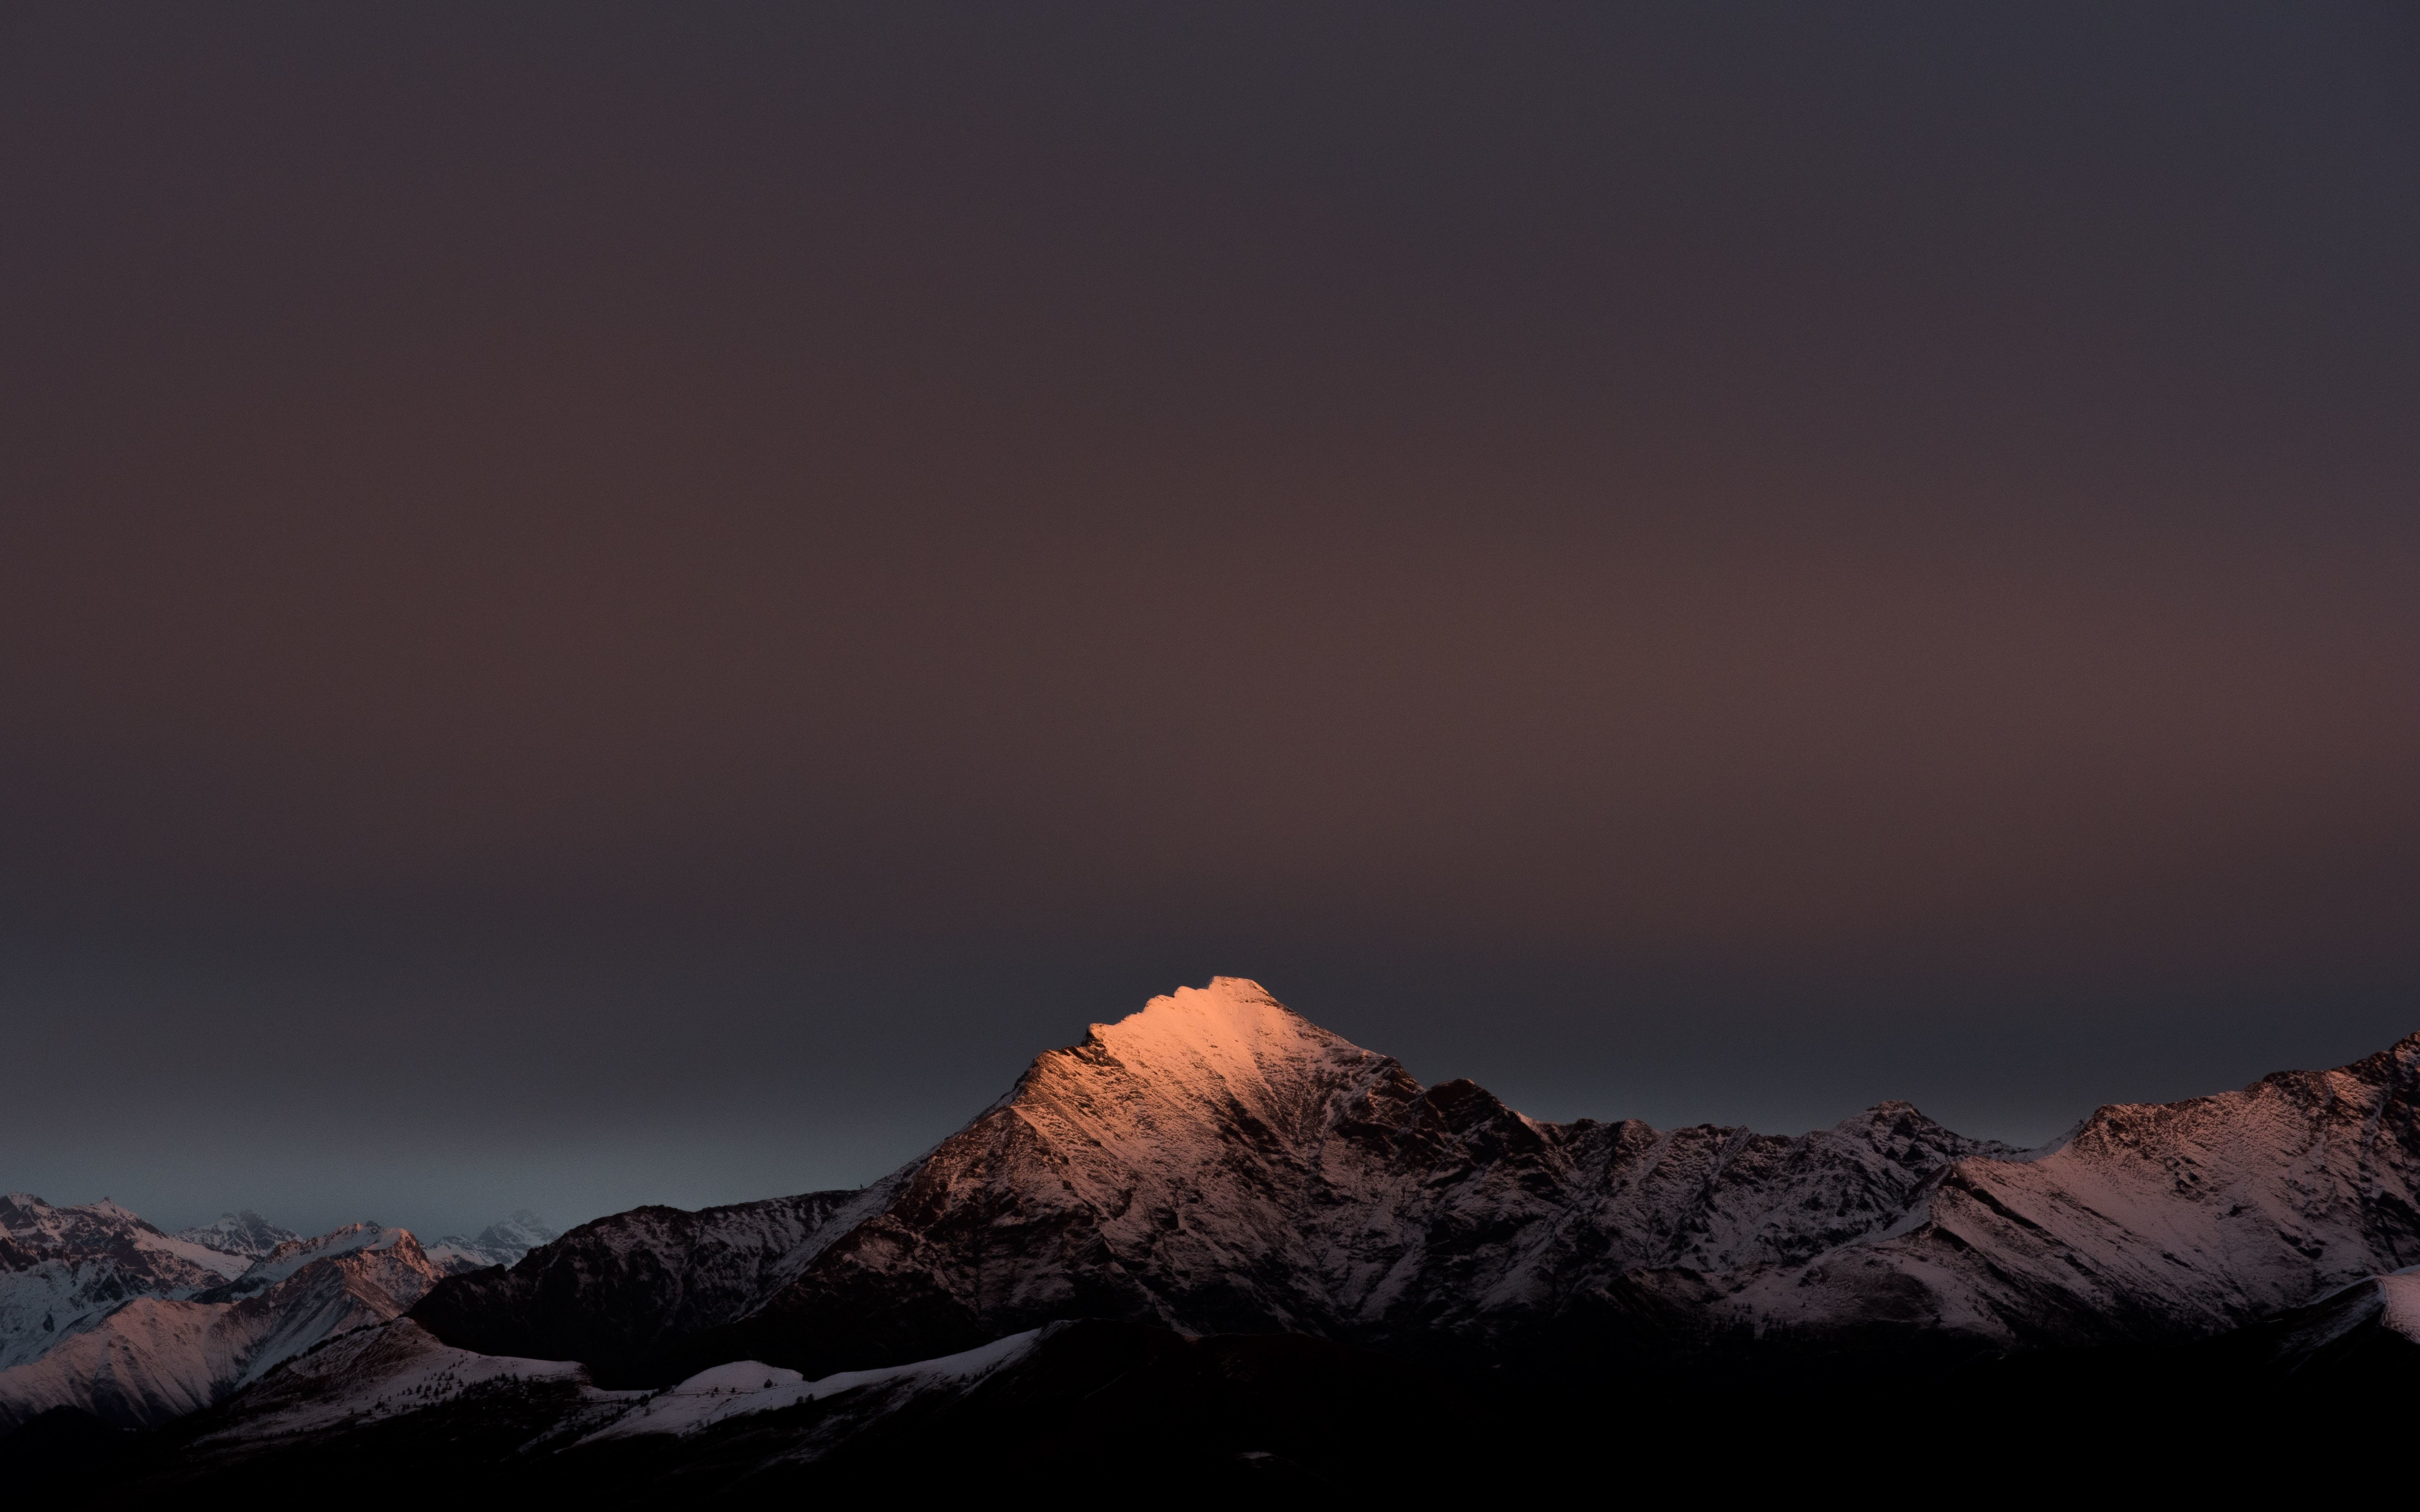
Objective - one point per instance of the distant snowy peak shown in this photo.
(62, 1269)
(106, 1229)
(246, 1233)
(292, 1255)
(499, 1244)
(2152, 1223)
(154, 1358)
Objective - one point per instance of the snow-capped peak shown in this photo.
(1228, 1042)
(142, 1361)
(294, 1254)
(27, 1218)
(89, 1231)
(1232, 1024)
(499, 1244)
(63, 1269)
(246, 1233)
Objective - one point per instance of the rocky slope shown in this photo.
(394, 1409)
(619, 1292)
(153, 1359)
(1216, 1162)
(246, 1233)
(1205, 1241)
(2364, 1337)
(63, 1269)
(375, 1374)
(388, 1259)
(2152, 1223)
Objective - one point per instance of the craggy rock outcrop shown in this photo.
(1215, 1163)
(63, 1269)
(154, 1359)
(619, 1292)
(1218, 1164)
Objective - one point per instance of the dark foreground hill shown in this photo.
(1091, 1410)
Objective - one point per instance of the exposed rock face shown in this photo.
(1109, 1402)
(618, 1292)
(65, 1269)
(1216, 1164)
(2152, 1223)
(2364, 1339)
(1182, 1226)
(158, 1358)
(373, 1375)
(246, 1233)
(374, 1257)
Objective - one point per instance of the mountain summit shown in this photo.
(246, 1233)
(63, 1269)
(154, 1357)
(499, 1244)
(1216, 1162)
(1201, 1059)
(1212, 1163)
(2151, 1224)
(1221, 1213)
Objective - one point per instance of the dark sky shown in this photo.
(611, 604)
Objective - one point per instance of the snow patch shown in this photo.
(63, 1269)
(746, 1387)
(142, 1362)
(2399, 1290)
(500, 1244)
(377, 1373)
(1230, 1038)
(294, 1254)
(247, 1234)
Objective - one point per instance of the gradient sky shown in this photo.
(612, 604)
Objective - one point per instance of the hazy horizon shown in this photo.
(436, 1185)
(603, 605)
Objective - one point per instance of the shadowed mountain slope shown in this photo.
(1212, 1163)
(620, 1293)
(63, 1269)
(1204, 1240)
(1216, 1162)
(157, 1358)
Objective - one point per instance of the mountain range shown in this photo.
(1215, 1163)
(1275, 1250)
(102, 1313)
